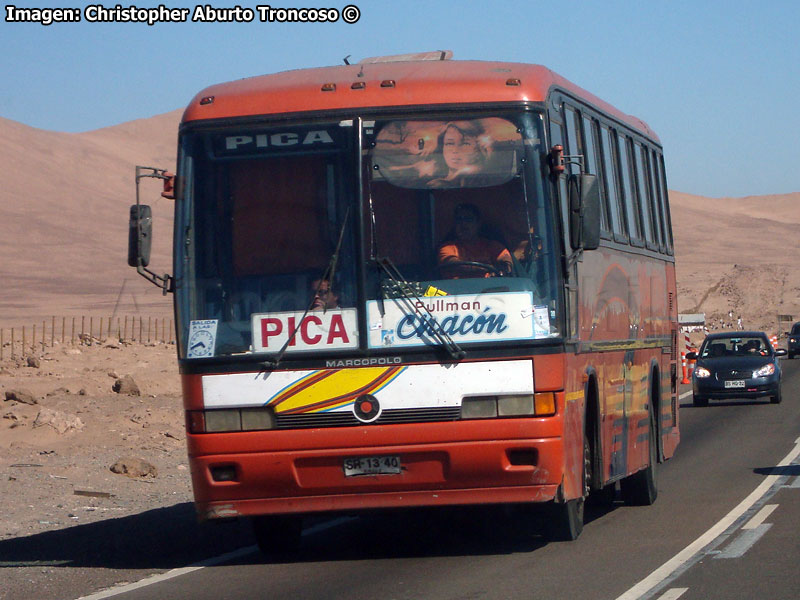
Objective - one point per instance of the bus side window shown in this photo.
(557, 137)
(644, 194)
(661, 182)
(658, 223)
(611, 184)
(629, 198)
(574, 146)
(592, 160)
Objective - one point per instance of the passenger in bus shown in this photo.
(528, 254)
(324, 296)
(529, 250)
(468, 244)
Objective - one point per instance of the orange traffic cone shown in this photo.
(685, 379)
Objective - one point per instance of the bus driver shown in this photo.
(467, 245)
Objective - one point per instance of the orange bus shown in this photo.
(415, 281)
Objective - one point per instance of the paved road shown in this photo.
(699, 541)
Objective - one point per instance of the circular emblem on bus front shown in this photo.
(366, 408)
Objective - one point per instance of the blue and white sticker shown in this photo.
(202, 338)
(541, 322)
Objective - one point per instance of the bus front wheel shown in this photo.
(566, 518)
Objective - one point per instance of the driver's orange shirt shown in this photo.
(480, 250)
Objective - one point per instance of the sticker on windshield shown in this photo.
(464, 318)
(317, 330)
(202, 338)
(541, 322)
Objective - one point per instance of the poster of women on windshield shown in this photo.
(448, 154)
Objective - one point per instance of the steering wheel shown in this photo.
(471, 263)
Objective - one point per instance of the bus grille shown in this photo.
(388, 417)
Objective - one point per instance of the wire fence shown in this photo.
(26, 340)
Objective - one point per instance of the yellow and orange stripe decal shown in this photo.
(326, 390)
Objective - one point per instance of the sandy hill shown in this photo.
(64, 219)
(64, 211)
(738, 255)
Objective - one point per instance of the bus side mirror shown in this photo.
(140, 235)
(584, 211)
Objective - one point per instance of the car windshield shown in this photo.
(735, 346)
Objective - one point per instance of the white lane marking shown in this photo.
(682, 557)
(684, 394)
(760, 516)
(744, 541)
(171, 574)
(673, 594)
(795, 483)
(210, 562)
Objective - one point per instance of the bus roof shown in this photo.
(390, 84)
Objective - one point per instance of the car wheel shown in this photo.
(700, 401)
(776, 399)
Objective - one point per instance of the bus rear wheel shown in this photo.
(278, 534)
(640, 489)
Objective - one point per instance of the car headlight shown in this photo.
(702, 373)
(792, 340)
(765, 370)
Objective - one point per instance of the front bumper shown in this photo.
(758, 387)
(503, 468)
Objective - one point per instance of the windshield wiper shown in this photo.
(409, 296)
(327, 275)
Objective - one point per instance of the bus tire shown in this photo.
(640, 489)
(278, 534)
(565, 521)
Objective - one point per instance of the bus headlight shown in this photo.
(479, 407)
(511, 405)
(223, 420)
(230, 419)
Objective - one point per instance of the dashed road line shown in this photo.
(743, 542)
(760, 516)
(689, 555)
(673, 594)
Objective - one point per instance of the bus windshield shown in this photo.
(464, 224)
(457, 237)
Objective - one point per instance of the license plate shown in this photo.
(372, 465)
(738, 383)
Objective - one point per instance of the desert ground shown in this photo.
(63, 237)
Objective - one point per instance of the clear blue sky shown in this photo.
(719, 81)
